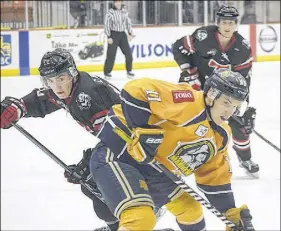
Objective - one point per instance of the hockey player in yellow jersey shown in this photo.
(181, 128)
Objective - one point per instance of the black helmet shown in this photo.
(56, 62)
(227, 82)
(227, 12)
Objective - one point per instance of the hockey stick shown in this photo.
(258, 134)
(267, 141)
(159, 213)
(56, 159)
(179, 181)
(185, 187)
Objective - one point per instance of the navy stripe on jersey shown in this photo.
(136, 112)
(221, 196)
(109, 138)
(197, 119)
(117, 20)
(222, 132)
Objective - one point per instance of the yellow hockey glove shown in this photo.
(144, 144)
(241, 217)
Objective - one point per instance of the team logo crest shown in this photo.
(83, 101)
(201, 35)
(189, 156)
(214, 64)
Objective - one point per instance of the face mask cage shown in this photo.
(71, 72)
(239, 111)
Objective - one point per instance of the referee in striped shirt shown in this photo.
(116, 22)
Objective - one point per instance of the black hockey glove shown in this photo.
(191, 76)
(12, 110)
(80, 170)
(248, 120)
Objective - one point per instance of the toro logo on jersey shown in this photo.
(182, 96)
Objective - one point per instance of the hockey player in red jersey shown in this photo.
(220, 46)
(86, 98)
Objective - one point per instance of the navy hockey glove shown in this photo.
(12, 110)
(80, 170)
(191, 76)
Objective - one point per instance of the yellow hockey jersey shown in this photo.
(191, 143)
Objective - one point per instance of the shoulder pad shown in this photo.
(203, 32)
(240, 39)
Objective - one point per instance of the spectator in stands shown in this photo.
(78, 10)
(249, 16)
(150, 12)
(97, 10)
(189, 10)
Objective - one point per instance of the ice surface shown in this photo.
(35, 195)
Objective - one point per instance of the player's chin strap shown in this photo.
(180, 182)
(208, 108)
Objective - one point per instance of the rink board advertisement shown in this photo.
(86, 46)
(155, 44)
(89, 46)
(9, 52)
(268, 42)
(21, 51)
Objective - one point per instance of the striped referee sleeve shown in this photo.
(107, 24)
(129, 25)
